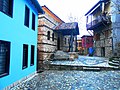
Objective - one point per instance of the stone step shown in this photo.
(113, 63)
(91, 68)
(71, 67)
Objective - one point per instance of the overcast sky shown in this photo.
(70, 10)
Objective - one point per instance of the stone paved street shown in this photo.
(79, 80)
(73, 80)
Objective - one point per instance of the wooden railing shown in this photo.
(100, 19)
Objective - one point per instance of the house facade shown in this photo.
(87, 43)
(18, 40)
(104, 19)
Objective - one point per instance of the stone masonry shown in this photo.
(46, 46)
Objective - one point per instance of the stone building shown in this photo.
(47, 39)
(54, 34)
(104, 19)
(69, 32)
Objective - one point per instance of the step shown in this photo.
(113, 64)
(91, 68)
(115, 61)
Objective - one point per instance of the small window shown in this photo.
(32, 54)
(25, 56)
(6, 6)
(33, 21)
(27, 12)
(53, 37)
(4, 58)
(48, 35)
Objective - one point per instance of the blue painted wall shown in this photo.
(13, 30)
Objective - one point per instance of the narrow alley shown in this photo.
(67, 79)
(60, 45)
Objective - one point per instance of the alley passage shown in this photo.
(74, 80)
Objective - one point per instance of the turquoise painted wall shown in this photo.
(13, 30)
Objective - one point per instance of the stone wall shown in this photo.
(46, 46)
(104, 42)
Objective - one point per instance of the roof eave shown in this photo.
(94, 7)
(37, 6)
(53, 14)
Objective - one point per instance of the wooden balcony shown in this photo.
(99, 21)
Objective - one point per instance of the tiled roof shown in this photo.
(63, 26)
(67, 28)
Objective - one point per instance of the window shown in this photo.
(4, 57)
(25, 56)
(48, 35)
(53, 37)
(6, 6)
(27, 12)
(33, 21)
(32, 54)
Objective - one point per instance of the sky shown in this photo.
(71, 11)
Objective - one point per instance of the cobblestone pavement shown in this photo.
(73, 80)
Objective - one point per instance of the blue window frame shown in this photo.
(4, 58)
(27, 15)
(6, 6)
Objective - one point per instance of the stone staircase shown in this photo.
(115, 62)
(69, 61)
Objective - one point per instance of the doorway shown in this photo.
(103, 51)
(58, 43)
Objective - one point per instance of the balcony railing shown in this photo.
(98, 21)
